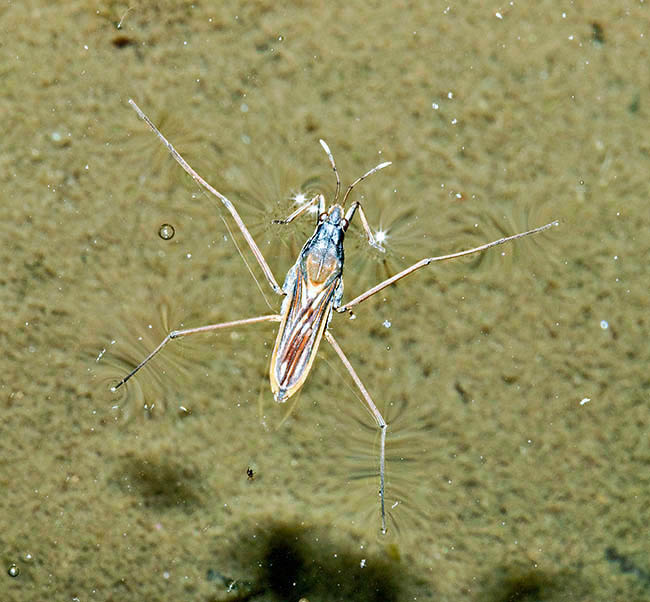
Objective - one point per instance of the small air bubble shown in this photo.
(13, 570)
(604, 324)
(166, 231)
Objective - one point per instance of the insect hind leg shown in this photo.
(381, 423)
(177, 334)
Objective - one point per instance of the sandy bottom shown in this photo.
(515, 383)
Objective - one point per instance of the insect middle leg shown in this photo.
(428, 260)
(177, 334)
(231, 208)
(379, 419)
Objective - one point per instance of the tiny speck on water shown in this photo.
(13, 570)
(166, 232)
(604, 324)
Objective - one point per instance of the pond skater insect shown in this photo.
(312, 290)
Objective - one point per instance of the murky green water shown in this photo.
(515, 383)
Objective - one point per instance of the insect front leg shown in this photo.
(319, 198)
(372, 240)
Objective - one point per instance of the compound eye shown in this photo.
(322, 217)
(344, 224)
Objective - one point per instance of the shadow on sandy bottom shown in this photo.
(291, 563)
(522, 584)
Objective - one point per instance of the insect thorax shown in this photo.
(322, 257)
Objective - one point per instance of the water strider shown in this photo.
(312, 290)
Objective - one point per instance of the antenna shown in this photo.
(363, 177)
(336, 173)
